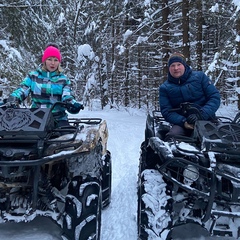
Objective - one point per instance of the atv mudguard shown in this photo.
(188, 231)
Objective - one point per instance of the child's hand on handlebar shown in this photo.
(12, 102)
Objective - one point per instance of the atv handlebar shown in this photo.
(15, 104)
(62, 104)
(187, 108)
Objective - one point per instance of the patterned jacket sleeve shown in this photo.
(67, 93)
(23, 91)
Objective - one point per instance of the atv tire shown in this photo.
(82, 216)
(153, 216)
(107, 180)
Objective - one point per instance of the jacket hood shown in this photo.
(183, 78)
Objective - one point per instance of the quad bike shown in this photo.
(189, 186)
(62, 173)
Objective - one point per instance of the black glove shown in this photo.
(192, 118)
(75, 108)
(12, 102)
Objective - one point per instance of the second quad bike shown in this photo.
(189, 186)
(62, 173)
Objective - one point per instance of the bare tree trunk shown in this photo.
(126, 80)
(79, 6)
(139, 77)
(112, 60)
(185, 28)
(238, 53)
(165, 35)
(126, 68)
(199, 24)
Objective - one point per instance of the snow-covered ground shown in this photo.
(126, 132)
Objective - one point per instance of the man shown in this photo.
(185, 85)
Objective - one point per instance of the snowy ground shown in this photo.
(126, 132)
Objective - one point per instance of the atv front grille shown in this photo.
(173, 170)
(25, 123)
(220, 185)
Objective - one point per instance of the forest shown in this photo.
(116, 52)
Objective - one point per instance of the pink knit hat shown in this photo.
(51, 52)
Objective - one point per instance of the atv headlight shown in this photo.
(190, 174)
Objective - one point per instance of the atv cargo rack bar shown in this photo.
(40, 161)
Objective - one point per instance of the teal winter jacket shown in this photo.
(45, 89)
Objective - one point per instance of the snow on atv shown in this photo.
(189, 187)
(61, 173)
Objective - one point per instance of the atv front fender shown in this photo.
(188, 231)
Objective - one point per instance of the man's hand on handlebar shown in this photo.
(188, 126)
(192, 118)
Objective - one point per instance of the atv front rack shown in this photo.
(218, 137)
(35, 123)
(29, 131)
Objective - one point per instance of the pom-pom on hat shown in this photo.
(177, 57)
(51, 51)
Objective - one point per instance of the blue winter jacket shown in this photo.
(194, 87)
